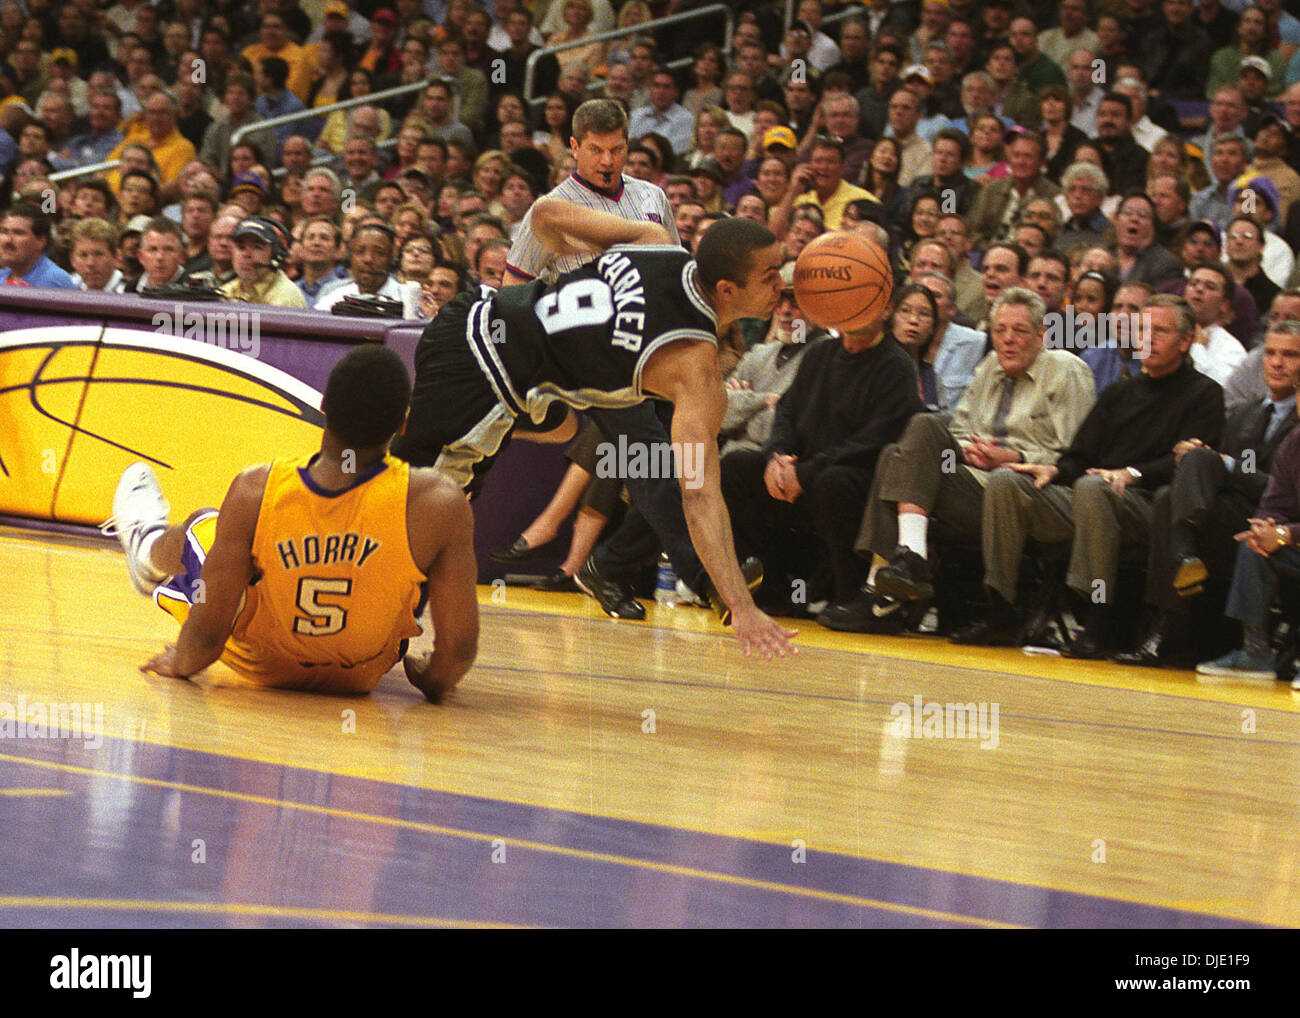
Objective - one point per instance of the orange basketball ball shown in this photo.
(843, 281)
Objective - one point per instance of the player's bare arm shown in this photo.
(689, 375)
(441, 529)
(227, 571)
(566, 228)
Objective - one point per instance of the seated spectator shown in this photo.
(950, 148)
(948, 362)
(1272, 138)
(1127, 159)
(995, 211)
(849, 399)
(1004, 266)
(820, 182)
(1213, 494)
(238, 99)
(24, 238)
(94, 256)
(665, 115)
(170, 149)
(370, 250)
(1138, 255)
(259, 253)
(415, 258)
(103, 137)
(1245, 384)
(1024, 405)
(198, 211)
(765, 373)
(276, 100)
(162, 257)
(1257, 197)
(1228, 160)
(1097, 495)
(1216, 352)
(806, 226)
(221, 247)
(320, 251)
(881, 176)
(1170, 197)
(1245, 258)
(1265, 553)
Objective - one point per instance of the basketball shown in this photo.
(843, 281)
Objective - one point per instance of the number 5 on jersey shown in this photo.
(322, 619)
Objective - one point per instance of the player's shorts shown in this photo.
(457, 421)
(178, 593)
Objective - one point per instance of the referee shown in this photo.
(655, 518)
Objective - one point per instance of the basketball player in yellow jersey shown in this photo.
(311, 575)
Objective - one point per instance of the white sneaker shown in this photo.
(139, 509)
(1237, 664)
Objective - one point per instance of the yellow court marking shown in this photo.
(919, 649)
(237, 908)
(536, 846)
(15, 793)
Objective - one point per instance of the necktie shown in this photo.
(1003, 410)
(1277, 414)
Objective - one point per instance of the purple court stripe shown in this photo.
(126, 840)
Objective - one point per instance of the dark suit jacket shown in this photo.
(1241, 431)
(984, 217)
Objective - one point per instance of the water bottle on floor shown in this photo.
(666, 583)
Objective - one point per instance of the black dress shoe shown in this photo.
(1165, 646)
(752, 570)
(559, 582)
(614, 598)
(1087, 646)
(521, 551)
(988, 632)
(868, 613)
(907, 577)
(1189, 576)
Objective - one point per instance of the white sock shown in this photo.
(143, 554)
(876, 563)
(912, 528)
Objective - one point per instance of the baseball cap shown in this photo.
(709, 167)
(1205, 226)
(1261, 185)
(415, 171)
(780, 135)
(384, 16)
(247, 182)
(64, 54)
(1258, 64)
(137, 224)
(337, 7)
(256, 228)
(918, 71)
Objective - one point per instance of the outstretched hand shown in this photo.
(759, 633)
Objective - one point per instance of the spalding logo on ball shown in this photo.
(843, 281)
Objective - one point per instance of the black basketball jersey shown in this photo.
(585, 338)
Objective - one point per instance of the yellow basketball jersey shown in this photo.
(338, 587)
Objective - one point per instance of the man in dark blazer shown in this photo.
(1212, 496)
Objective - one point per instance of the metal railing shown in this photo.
(530, 68)
(83, 171)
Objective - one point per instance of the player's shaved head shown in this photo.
(726, 250)
(366, 397)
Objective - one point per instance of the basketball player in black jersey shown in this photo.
(641, 320)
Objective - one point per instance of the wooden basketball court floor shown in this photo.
(599, 773)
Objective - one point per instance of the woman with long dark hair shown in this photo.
(915, 325)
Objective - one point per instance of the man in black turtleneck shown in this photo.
(797, 503)
(1098, 494)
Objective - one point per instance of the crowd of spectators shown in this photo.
(1024, 165)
